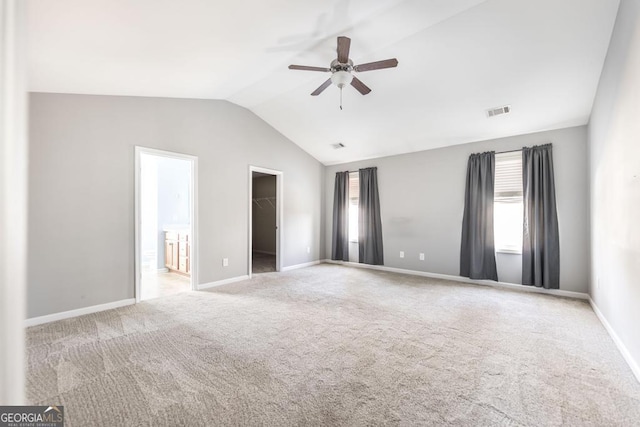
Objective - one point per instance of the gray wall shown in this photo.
(422, 199)
(614, 148)
(81, 191)
(264, 216)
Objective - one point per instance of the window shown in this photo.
(508, 203)
(354, 197)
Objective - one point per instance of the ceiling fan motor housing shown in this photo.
(337, 66)
(341, 73)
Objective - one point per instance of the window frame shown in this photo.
(507, 197)
(353, 176)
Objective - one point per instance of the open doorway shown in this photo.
(265, 216)
(165, 213)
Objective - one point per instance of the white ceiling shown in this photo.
(457, 58)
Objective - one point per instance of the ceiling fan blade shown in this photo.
(360, 87)
(307, 68)
(378, 65)
(344, 43)
(322, 87)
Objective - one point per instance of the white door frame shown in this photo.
(13, 200)
(279, 177)
(194, 254)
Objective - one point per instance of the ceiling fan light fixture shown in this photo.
(341, 78)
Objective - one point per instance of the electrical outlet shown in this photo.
(308, 249)
(225, 262)
(401, 254)
(421, 257)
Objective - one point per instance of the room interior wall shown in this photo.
(264, 216)
(614, 172)
(81, 191)
(174, 201)
(149, 245)
(422, 200)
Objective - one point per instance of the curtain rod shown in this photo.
(520, 149)
(508, 151)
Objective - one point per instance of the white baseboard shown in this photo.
(303, 265)
(162, 270)
(202, 286)
(635, 367)
(263, 252)
(512, 286)
(77, 312)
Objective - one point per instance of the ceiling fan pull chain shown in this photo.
(341, 98)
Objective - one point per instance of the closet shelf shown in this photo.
(270, 200)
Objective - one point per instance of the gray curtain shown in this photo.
(540, 243)
(369, 220)
(340, 241)
(477, 252)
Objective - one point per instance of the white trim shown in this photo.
(203, 286)
(194, 251)
(279, 215)
(14, 149)
(512, 286)
(78, 312)
(509, 251)
(303, 265)
(635, 367)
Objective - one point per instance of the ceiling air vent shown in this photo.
(338, 146)
(492, 112)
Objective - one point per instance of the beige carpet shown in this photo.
(331, 345)
(262, 263)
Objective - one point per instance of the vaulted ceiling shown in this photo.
(457, 58)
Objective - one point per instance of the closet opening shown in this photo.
(265, 217)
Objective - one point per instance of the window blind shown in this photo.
(354, 188)
(354, 196)
(508, 179)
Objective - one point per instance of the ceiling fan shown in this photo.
(342, 67)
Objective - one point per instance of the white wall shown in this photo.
(422, 201)
(614, 152)
(149, 211)
(81, 191)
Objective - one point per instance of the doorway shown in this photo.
(166, 237)
(265, 217)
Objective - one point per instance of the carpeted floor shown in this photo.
(331, 345)
(262, 263)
